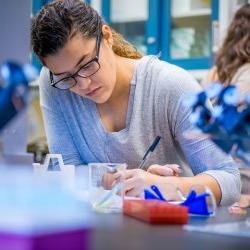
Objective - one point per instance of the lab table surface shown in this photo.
(120, 232)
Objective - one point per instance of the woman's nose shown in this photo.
(83, 82)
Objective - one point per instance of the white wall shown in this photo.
(96, 4)
(129, 10)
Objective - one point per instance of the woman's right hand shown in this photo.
(241, 206)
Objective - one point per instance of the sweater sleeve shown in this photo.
(58, 134)
(202, 155)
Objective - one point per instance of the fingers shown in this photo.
(244, 201)
(237, 210)
(107, 180)
(133, 188)
(160, 170)
(240, 207)
(127, 173)
(135, 192)
(124, 175)
(176, 168)
(135, 182)
(120, 174)
(165, 170)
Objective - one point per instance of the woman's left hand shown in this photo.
(165, 170)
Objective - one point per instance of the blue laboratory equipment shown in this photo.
(228, 122)
(153, 194)
(198, 203)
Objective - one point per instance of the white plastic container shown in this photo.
(106, 186)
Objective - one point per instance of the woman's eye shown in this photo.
(87, 66)
(69, 80)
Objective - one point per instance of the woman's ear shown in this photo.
(107, 35)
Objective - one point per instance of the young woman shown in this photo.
(232, 65)
(103, 102)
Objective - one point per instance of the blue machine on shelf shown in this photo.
(14, 136)
(228, 123)
(14, 89)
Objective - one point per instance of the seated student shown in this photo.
(103, 102)
(232, 66)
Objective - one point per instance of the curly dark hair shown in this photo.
(235, 50)
(58, 21)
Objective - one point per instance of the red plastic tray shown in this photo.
(155, 211)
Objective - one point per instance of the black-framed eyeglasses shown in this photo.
(87, 70)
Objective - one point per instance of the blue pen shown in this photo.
(153, 194)
(149, 152)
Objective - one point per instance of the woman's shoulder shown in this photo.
(165, 82)
(44, 81)
(45, 84)
(47, 93)
(50, 96)
(242, 73)
(242, 79)
(170, 78)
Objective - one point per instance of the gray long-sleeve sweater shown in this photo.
(74, 128)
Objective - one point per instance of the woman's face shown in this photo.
(77, 52)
